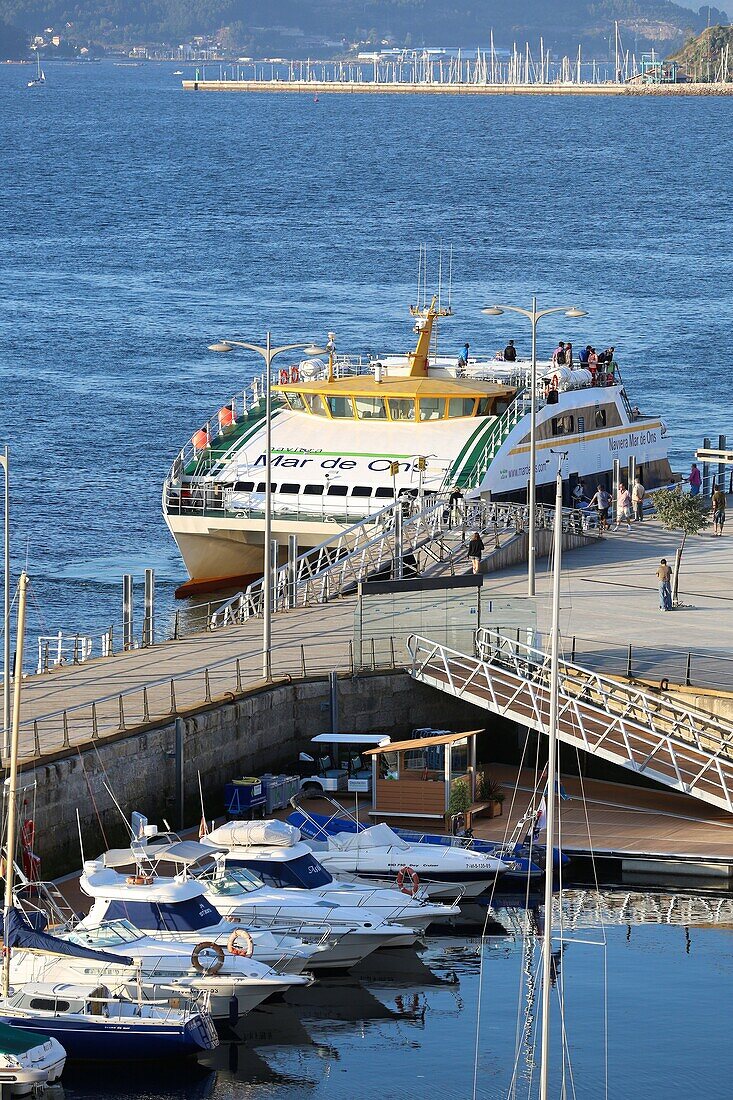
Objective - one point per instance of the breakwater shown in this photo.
(325, 87)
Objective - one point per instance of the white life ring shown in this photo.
(403, 875)
(233, 943)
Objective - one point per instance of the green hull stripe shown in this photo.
(471, 449)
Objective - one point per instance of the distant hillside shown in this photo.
(290, 23)
(13, 42)
(703, 57)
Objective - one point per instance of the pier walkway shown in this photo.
(609, 601)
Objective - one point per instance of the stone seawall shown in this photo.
(258, 731)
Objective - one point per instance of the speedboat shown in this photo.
(94, 1025)
(378, 856)
(274, 852)
(28, 1061)
(232, 983)
(351, 434)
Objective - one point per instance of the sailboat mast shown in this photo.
(551, 784)
(13, 776)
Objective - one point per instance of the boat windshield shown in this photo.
(161, 916)
(233, 883)
(303, 871)
(109, 934)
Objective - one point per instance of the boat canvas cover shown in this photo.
(377, 836)
(243, 834)
(13, 1040)
(20, 934)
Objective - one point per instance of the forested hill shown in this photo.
(563, 23)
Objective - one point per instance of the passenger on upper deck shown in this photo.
(583, 357)
(463, 355)
(569, 356)
(558, 355)
(510, 353)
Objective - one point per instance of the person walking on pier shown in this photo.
(601, 500)
(510, 353)
(695, 480)
(637, 499)
(718, 510)
(623, 508)
(664, 576)
(475, 550)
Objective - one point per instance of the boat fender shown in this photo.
(139, 880)
(403, 875)
(284, 377)
(294, 374)
(233, 943)
(216, 965)
(664, 684)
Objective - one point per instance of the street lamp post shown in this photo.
(534, 315)
(268, 353)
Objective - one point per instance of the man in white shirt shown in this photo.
(637, 499)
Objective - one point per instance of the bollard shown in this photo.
(149, 613)
(127, 620)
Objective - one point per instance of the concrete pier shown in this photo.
(327, 87)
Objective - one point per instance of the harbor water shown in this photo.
(140, 222)
(407, 1027)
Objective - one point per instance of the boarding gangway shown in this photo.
(379, 544)
(649, 734)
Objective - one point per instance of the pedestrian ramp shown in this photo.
(651, 735)
(417, 536)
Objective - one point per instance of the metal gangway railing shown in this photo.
(652, 735)
(379, 544)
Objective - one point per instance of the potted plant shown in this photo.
(460, 798)
(491, 791)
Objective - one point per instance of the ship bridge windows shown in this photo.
(262, 487)
(295, 401)
(313, 491)
(289, 487)
(244, 486)
(337, 490)
(370, 408)
(383, 492)
(361, 491)
(600, 418)
(340, 408)
(401, 408)
(315, 404)
(463, 406)
(431, 408)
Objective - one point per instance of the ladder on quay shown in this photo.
(654, 736)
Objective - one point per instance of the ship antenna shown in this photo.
(450, 277)
(419, 273)
(440, 272)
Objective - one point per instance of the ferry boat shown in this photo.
(351, 435)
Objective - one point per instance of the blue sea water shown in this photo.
(138, 222)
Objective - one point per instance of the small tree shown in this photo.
(680, 512)
(460, 798)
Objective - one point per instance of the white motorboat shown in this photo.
(378, 856)
(28, 1061)
(274, 852)
(233, 984)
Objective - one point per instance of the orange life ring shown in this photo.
(139, 880)
(408, 873)
(294, 374)
(284, 377)
(233, 947)
(207, 945)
